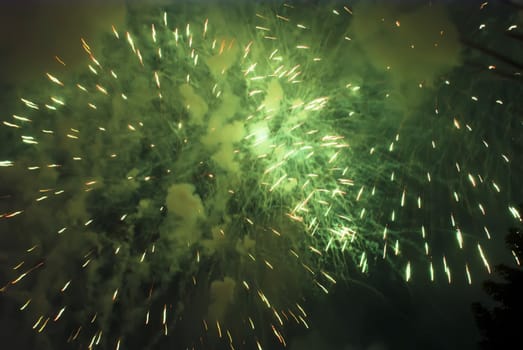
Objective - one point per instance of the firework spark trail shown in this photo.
(105, 81)
(177, 185)
(337, 233)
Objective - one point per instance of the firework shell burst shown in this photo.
(201, 176)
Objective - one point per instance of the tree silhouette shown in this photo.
(500, 327)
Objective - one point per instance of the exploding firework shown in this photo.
(192, 184)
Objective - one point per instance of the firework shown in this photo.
(199, 177)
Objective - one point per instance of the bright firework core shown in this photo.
(202, 174)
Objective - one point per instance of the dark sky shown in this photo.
(373, 311)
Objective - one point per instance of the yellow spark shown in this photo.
(81, 87)
(115, 32)
(10, 215)
(19, 278)
(29, 104)
(11, 125)
(459, 237)
(18, 265)
(139, 54)
(264, 299)
(332, 280)
(98, 337)
(92, 69)
(130, 41)
(301, 310)
(59, 314)
(43, 326)
(322, 287)
(359, 193)
(101, 89)
(56, 100)
(153, 32)
(255, 92)
(314, 250)
(85, 46)
(65, 286)
(472, 180)
(303, 321)
(176, 36)
(93, 339)
(246, 285)
(23, 307)
(24, 119)
(54, 79)
(447, 269)
(95, 61)
(219, 329)
(516, 258)
(77, 333)
(37, 322)
(515, 213)
(278, 182)
(483, 257)
(333, 157)
(60, 60)
(481, 208)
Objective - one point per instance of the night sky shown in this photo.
(209, 192)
